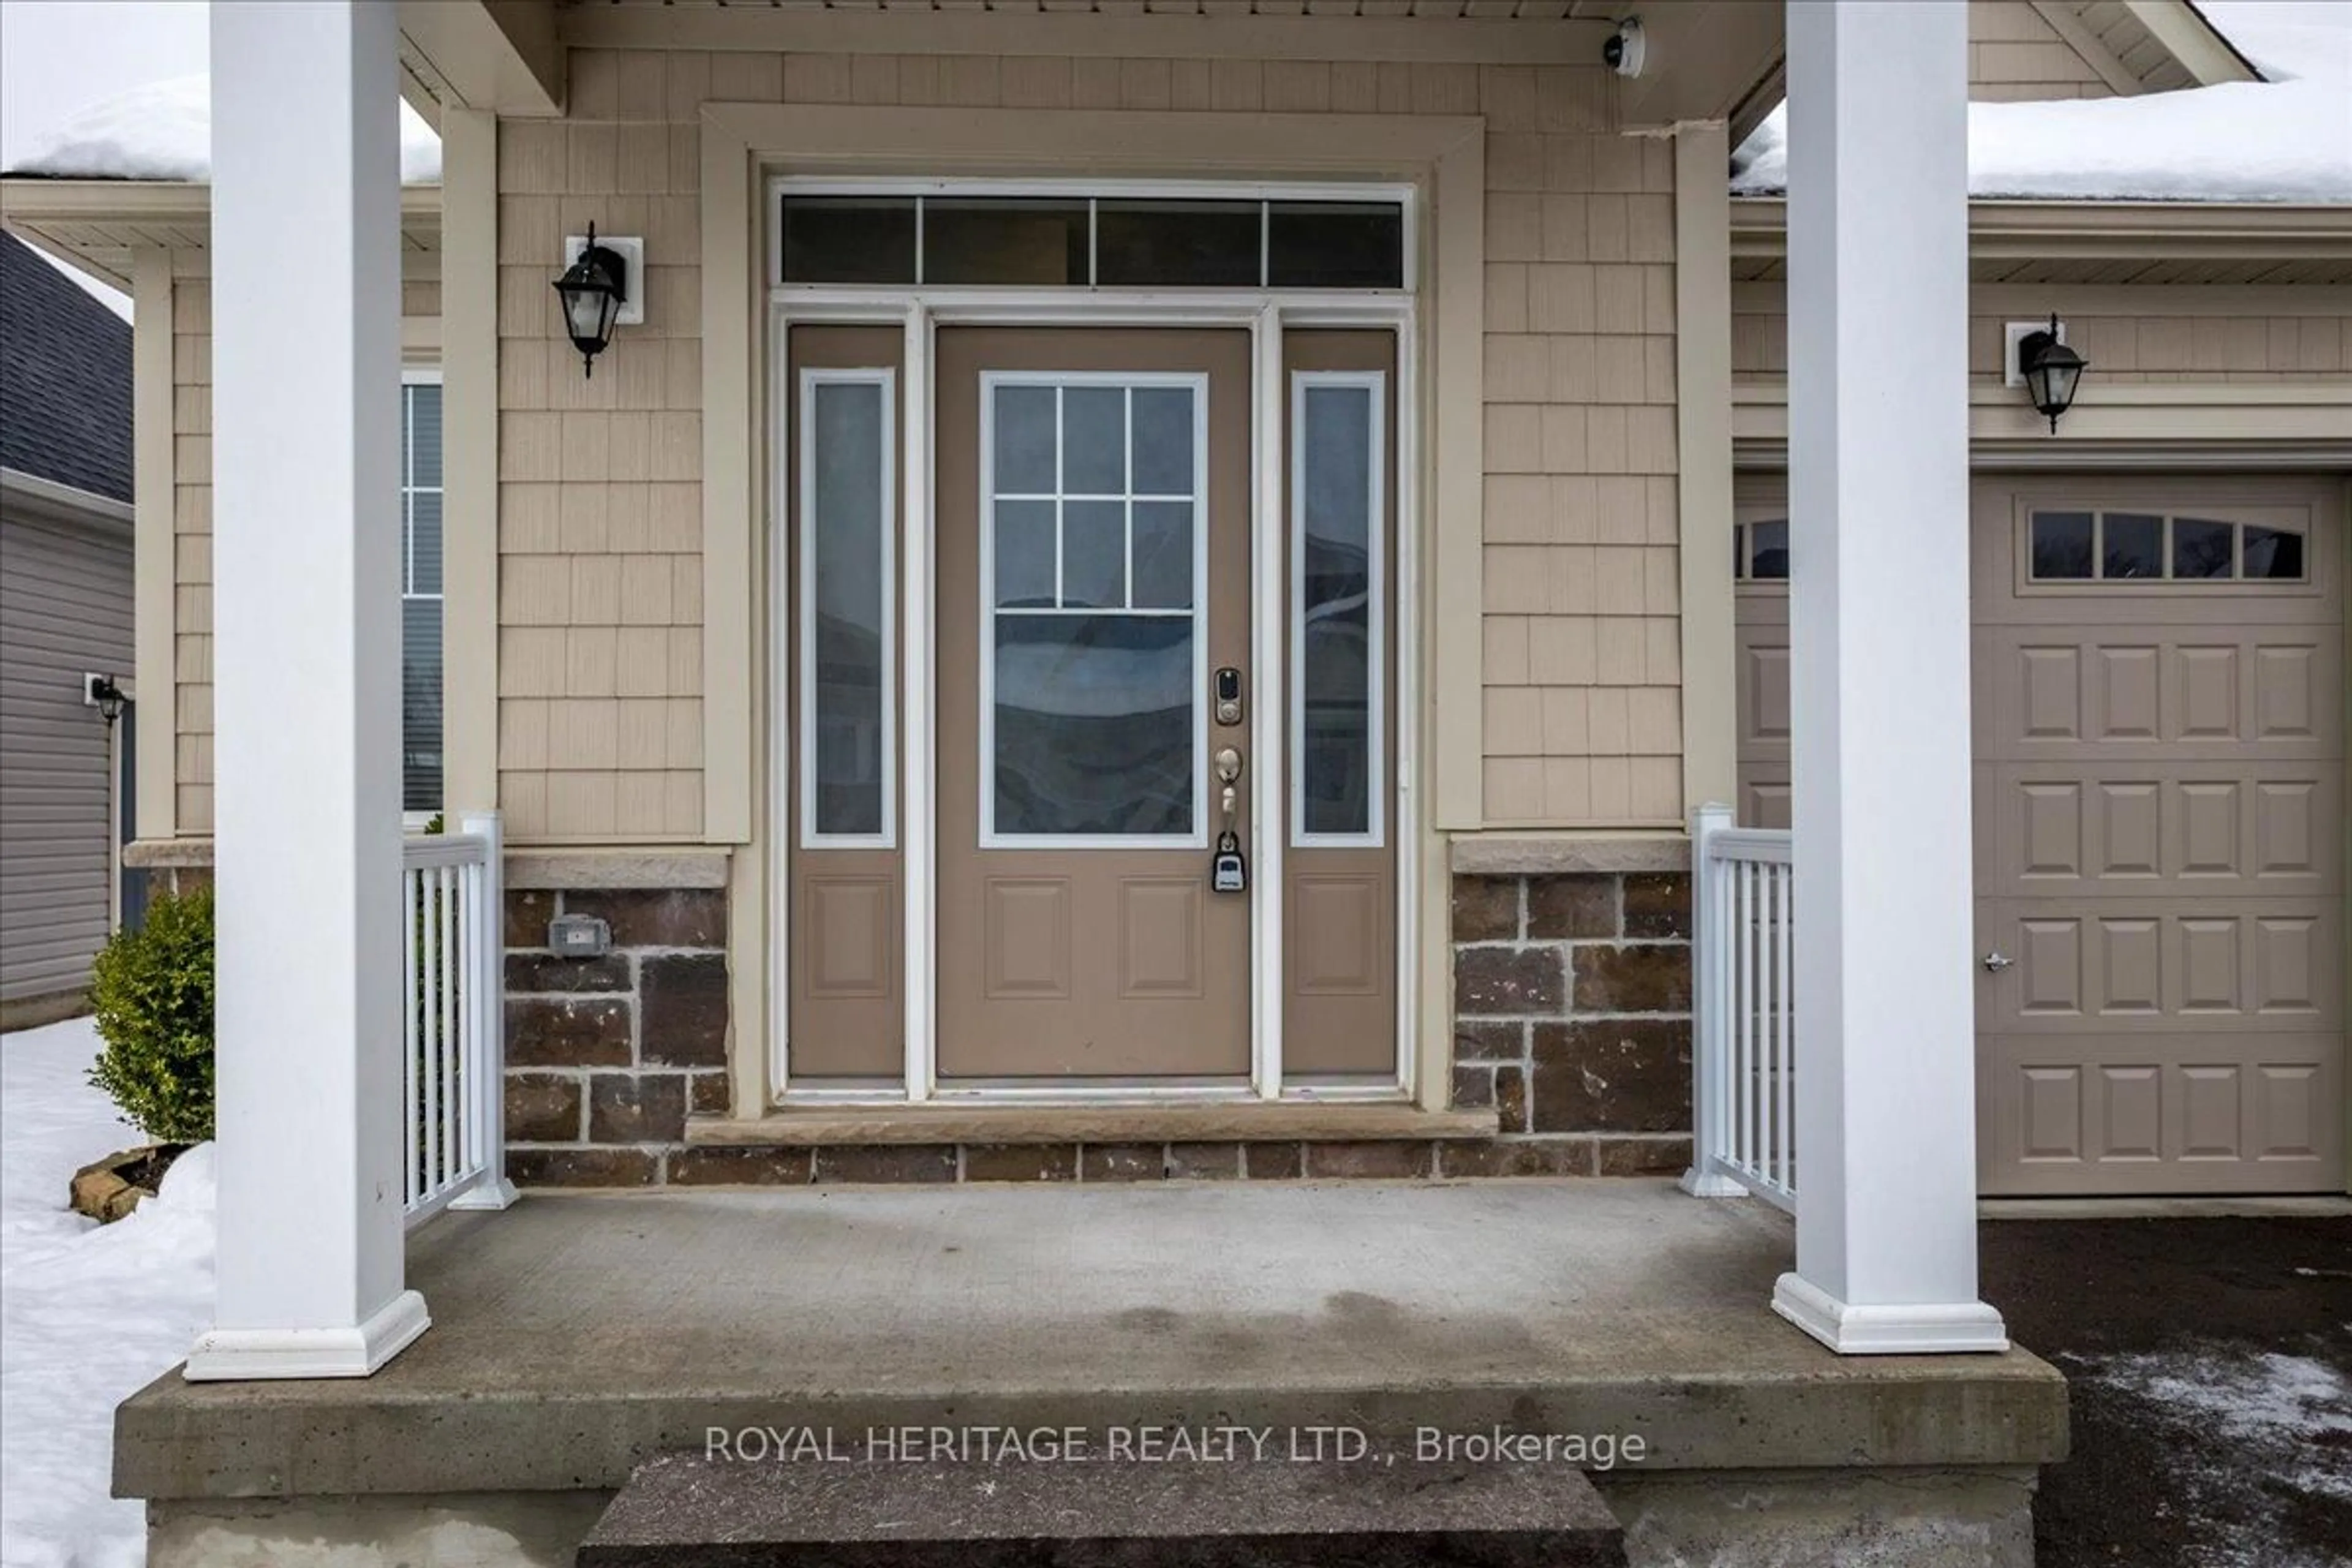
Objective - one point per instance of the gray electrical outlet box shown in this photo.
(579, 936)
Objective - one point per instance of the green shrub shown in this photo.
(152, 992)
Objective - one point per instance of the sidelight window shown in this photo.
(1338, 505)
(847, 602)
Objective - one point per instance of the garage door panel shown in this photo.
(2147, 831)
(2127, 1112)
(2259, 964)
(2160, 817)
(2155, 692)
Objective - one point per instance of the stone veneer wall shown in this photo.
(1572, 1015)
(1573, 1001)
(607, 1057)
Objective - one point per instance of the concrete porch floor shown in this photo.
(575, 1335)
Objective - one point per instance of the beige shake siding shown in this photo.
(600, 721)
(192, 516)
(2160, 333)
(2014, 53)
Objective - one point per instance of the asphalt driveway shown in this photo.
(2211, 1365)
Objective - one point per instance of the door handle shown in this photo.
(1227, 765)
(1996, 961)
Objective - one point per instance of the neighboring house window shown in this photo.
(420, 591)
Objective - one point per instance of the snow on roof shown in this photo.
(2285, 140)
(165, 131)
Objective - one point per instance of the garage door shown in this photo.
(2159, 804)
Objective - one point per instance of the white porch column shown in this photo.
(1878, 461)
(306, 377)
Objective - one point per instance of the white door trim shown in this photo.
(1266, 315)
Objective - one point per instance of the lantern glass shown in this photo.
(2050, 371)
(593, 289)
(588, 313)
(2053, 381)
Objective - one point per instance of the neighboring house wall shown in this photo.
(65, 609)
(2156, 334)
(191, 511)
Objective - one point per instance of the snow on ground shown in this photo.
(2288, 138)
(89, 1314)
(165, 131)
(2274, 1405)
(2250, 1430)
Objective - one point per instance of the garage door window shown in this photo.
(2146, 549)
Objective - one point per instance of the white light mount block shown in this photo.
(632, 252)
(2012, 373)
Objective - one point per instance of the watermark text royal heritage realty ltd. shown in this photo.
(1153, 1445)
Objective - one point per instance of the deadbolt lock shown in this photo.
(1229, 696)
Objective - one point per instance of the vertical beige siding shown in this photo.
(600, 526)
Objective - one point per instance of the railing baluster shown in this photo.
(452, 1104)
(1782, 945)
(1744, 1031)
(1735, 1001)
(429, 1005)
(454, 1011)
(408, 881)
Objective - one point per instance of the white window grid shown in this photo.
(1196, 614)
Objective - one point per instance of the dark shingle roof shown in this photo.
(65, 378)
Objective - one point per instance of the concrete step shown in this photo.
(686, 1512)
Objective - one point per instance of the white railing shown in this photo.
(454, 1152)
(1744, 1051)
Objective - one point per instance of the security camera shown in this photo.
(1623, 52)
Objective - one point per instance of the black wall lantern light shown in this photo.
(595, 288)
(2051, 372)
(100, 691)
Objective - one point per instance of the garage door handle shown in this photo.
(1996, 961)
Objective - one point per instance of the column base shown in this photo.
(1909, 1329)
(1701, 1183)
(496, 1193)
(222, 1356)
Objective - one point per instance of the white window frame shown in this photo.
(811, 837)
(422, 375)
(920, 311)
(1374, 835)
(1405, 197)
(2237, 520)
(990, 382)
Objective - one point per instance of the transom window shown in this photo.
(2144, 547)
(1053, 238)
(1093, 565)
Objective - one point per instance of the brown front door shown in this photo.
(1093, 525)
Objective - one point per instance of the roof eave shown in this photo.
(2117, 229)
